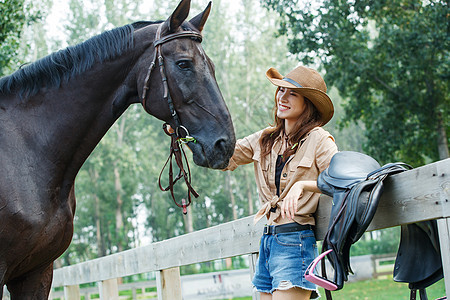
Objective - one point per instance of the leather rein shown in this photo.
(180, 135)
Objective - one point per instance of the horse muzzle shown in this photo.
(213, 154)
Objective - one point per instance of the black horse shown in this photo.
(55, 111)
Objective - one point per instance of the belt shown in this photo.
(290, 227)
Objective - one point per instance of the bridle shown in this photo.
(158, 55)
(180, 135)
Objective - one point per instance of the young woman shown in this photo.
(288, 157)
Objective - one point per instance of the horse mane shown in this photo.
(60, 66)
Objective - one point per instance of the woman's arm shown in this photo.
(289, 204)
(325, 150)
(244, 151)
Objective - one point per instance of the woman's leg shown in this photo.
(291, 294)
(265, 296)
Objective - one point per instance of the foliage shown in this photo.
(12, 21)
(15, 15)
(389, 59)
(108, 184)
(386, 242)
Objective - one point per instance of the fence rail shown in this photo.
(412, 196)
(382, 264)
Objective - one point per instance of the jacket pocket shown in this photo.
(303, 167)
(305, 163)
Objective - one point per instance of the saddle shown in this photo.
(418, 259)
(355, 181)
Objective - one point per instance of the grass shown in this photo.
(383, 289)
(377, 289)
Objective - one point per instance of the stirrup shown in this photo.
(316, 279)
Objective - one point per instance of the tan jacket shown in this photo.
(311, 158)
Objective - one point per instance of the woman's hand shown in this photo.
(289, 204)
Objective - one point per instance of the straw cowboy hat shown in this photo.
(308, 83)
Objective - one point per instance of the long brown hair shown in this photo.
(309, 119)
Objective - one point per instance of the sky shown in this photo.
(58, 14)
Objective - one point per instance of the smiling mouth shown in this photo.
(283, 107)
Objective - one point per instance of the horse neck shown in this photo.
(77, 115)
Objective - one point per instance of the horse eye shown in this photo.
(183, 64)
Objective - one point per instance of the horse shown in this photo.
(54, 111)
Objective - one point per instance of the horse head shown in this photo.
(183, 91)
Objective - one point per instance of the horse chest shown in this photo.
(42, 235)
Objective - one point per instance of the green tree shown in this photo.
(110, 177)
(15, 15)
(390, 61)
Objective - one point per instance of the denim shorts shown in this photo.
(283, 260)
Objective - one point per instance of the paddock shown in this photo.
(412, 196)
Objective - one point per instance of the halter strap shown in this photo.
(177, 35)
(177, 137)
(158, 55)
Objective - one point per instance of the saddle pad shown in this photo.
(418, 259)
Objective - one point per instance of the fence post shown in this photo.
(71, 292)
(253, 258)
(109, 289)
(444, 224)
(168, 284)
(373, 260)
(444, 240)
(134, 293)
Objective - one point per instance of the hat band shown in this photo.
(292, 82)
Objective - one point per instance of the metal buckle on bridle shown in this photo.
(186, 138)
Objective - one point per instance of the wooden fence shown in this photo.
(226, 284)
(412, 196)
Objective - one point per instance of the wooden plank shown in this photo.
(411, 196)
(168, 284)
(72, 292)
(131, 286)
(109, 289)
(226, 240)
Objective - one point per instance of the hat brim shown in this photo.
(317, 97)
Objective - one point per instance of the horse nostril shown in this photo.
(221, 145)
(222, 151)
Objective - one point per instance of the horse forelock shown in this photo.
(60, 66)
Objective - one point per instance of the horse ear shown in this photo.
(179, 15)
(200, 20)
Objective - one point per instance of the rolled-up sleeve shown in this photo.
(244, 151)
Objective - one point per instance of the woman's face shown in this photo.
(290, 104)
